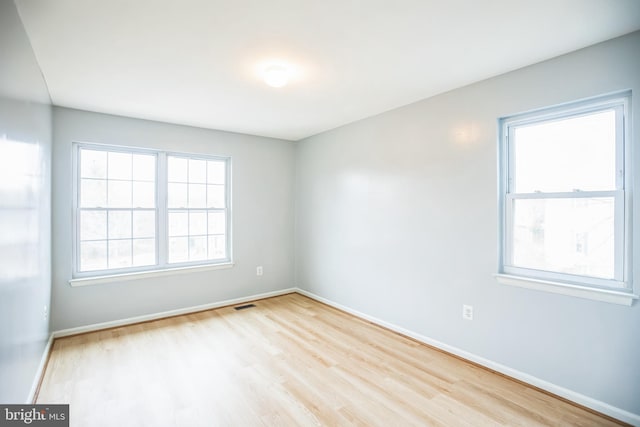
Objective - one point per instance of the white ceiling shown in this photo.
(197, 62)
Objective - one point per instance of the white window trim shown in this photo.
(606, 295)
(619, 291)
(136, 275)
(162, 267)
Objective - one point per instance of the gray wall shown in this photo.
(396, 217)
(25, 209)
(262, 213)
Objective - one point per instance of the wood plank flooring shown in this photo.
(289, 361)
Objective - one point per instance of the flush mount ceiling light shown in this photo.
(276, 75)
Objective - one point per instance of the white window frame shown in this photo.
(187, 209)
(162, 266)
(619, 290)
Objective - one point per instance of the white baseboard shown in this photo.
(596, 405)
(170, 313)
(40, 371)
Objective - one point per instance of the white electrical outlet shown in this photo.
(259, 270)
(467, 312)
(46, 312)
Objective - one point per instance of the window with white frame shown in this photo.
(196, 209)
(565, 196)
(139, 210)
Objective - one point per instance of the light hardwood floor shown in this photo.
(289, 361)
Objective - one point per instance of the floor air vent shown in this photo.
(242, 307)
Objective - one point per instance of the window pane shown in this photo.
(119, 194)
(216, 223)
(565, 155)
(573, 236)
(144, 167)
(93, 164)
(93, 193)
(177, 195)
(197, 171)
(144, 252)
(144, 195)
(178, 249)
(215, 196)
(144, 224)
(93, 256)
(197, 248)
(197, 196)
(197, 223)
(119, 166)
(119, 253)
(178, 223)
(93, 225)
(217, 247)
(177, 169)
(215, 172)
(119, 224)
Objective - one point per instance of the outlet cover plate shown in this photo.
(467, 312)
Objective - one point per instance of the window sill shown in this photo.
(96, 280)
(610, 296)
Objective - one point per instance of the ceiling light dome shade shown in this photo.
(276, 75)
